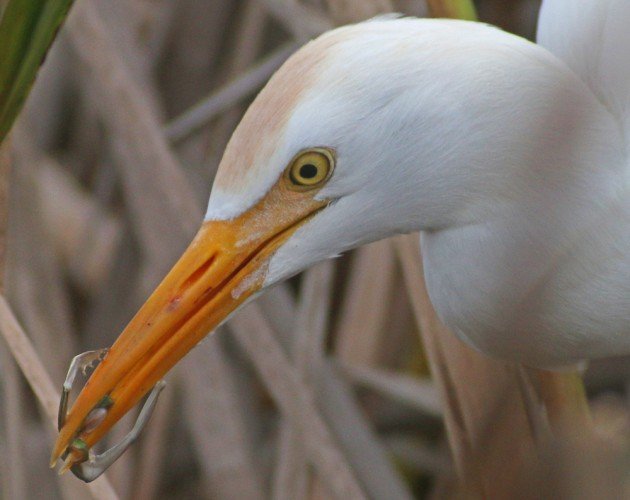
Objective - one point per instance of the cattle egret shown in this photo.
(510, 158)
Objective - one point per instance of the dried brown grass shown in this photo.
(321, 388)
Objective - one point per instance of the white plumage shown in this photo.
(511, 161)
(592, 37)
(512, 164)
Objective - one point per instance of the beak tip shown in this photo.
(54, 456)
(159, 335)
(53, 459)
(68, 463)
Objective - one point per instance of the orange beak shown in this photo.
(224, 265)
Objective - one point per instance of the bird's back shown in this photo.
(550, 284)
(593, 38)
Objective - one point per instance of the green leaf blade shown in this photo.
(27, 30)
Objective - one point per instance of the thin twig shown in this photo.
(84, 234)
(356, 436)
(486, 424)
(151, 178)
(138, 141)
(150, 469)
(219, 433)
(23, 351)
(362, 327)
(227, 96)
(13, 477)
(291, 475)
(296, 401)
(35, 278)
(417, 454)
(195, 50)
(248, 39)
(37, 377)
(91, 40)
(302, 21)
(419, 394)
(349, 11)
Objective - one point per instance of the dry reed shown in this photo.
(320, 389)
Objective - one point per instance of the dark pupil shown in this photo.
(308, 171)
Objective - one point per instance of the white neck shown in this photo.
(501, 264)
(487, 143)
(518, 143)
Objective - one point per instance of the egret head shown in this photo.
(359, 136)
(378, 119)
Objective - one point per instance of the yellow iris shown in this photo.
(310, 169)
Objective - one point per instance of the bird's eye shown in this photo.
(310, 169)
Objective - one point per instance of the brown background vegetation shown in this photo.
(321, 389)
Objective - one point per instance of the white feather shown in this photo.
(593, 38)
(512, 166)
